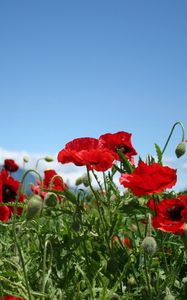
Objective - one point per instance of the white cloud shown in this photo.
(70, 172)
(184, 166)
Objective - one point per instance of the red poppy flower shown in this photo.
(99, 160)
(87, 152)
(49, 183)
(171, 214)
(8, 192)
(53, 183)
(127, 242)
(119, 140)
(10, 165)
(4, 213)
(149, 179)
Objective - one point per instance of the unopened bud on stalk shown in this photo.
(34, 207)
(131, 281)
(25, 158)
(78, 181)
(149, 245)
(180, 149)
(51, 199)
(48, 158)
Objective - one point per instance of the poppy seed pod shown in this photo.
(149, 245)
(180, 149)
(51, 199)
(34, 207)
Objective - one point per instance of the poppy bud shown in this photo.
(34, 207)
(149, 245)
(131, 281)
(78, 181)
(48, 158)
(25, 158)
(51, 199)
(180, 149)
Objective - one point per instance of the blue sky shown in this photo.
(83, 68)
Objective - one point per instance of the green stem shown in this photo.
(105, 182)
(1, 292)
(129, 258)
(45, 278)
(171, 132)
(14, 231)
(138, 226)
(147, 277)
(37, 162)
(164, 255)
(99, 211)
(96, 178)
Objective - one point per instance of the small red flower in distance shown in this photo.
(171, 214)
(51, 182)
(10, 165)
(87, 152)
(119, 140)
(126, 241)
(149, 179)
(8, 192)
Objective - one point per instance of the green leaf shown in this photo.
(159, 154)
(126, 164)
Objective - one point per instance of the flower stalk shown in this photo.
(171, 132)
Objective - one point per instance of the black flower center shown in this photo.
(8, 193)
(125, 149)
(174, 213)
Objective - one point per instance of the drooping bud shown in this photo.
(48, 158)
(34, 207)
(149, 245)
(180, 149)
(25, 158)
(51, 199)
(78, 181)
